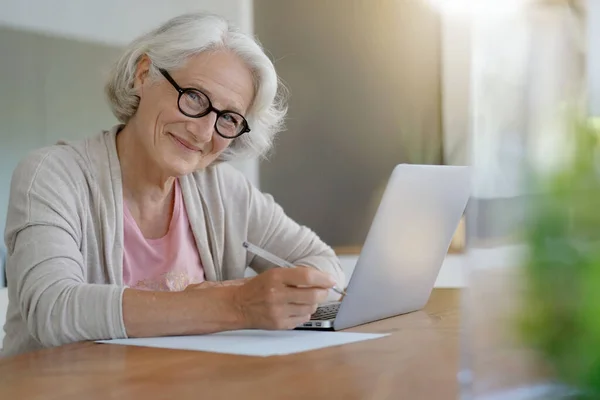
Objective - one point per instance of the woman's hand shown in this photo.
(207, 284)
(281, 298)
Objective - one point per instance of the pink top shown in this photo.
(166, 264)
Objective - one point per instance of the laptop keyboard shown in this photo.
(325, 312)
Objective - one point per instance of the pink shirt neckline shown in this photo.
(170, 263)
(177, 204)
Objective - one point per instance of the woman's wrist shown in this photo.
(217, 308)
(189, 312)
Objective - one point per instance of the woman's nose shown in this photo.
(203, 128)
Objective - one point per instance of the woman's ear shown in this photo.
(142, 71)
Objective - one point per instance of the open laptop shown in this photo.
(405, 247)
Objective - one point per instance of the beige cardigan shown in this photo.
(64, 235)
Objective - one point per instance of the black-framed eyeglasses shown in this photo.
(195, 104)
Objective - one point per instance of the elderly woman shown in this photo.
(138, 230)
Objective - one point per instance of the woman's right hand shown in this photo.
(282, 298)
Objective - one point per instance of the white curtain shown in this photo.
(508, 78)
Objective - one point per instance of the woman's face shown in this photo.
(178, 144)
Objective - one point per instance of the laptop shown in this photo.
(405, 247)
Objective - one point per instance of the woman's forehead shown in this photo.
(222, 75)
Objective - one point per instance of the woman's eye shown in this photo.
(232, 119)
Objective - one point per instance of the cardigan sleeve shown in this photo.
(45, 265)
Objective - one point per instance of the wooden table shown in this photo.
(419, 360)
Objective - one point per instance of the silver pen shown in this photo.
(262, 253)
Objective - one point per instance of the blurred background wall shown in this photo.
(365, 83)
(50, 89)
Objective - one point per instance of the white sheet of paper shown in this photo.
(252, 342)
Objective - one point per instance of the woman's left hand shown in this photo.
(207, 284)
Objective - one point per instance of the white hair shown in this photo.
(172, 44)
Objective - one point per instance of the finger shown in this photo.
(297, 321)
(307, 296)
(301, 310)
(307, 276)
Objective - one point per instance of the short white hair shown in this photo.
(171, 45)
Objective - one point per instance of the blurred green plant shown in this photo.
(560, 316)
